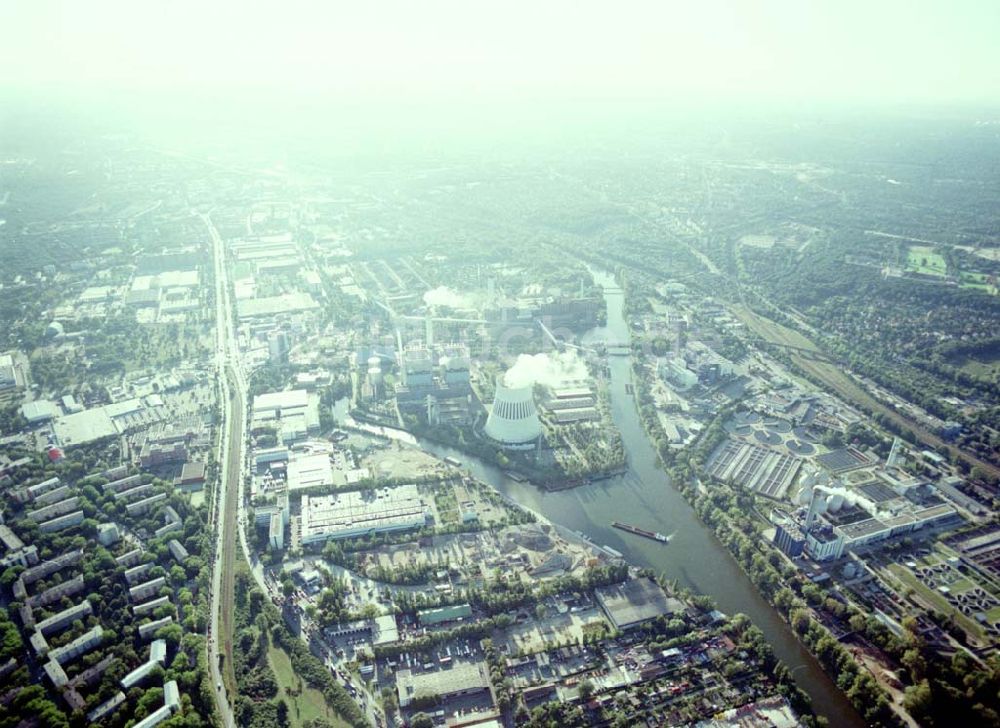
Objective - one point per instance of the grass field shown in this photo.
(984, 362)
(978, 281)
(447, 506)
(923, 259)
(304, 702)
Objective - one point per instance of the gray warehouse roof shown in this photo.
(636, 601)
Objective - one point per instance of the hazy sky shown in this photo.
(896, 50)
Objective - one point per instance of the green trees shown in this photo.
(421, 720)
(10, 638)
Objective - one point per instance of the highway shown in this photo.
(229, 508)
(232, 390)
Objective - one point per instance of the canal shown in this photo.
(643, 496)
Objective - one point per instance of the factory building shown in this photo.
(454, 366)
(463, 679)
(293, 414)
(442, 615)
(278, 346)
(8, 372)
(635, 602)
(675, 370)
(788, 537)
(360, 513)
(567, 405)
(513, 421)
(40, 410)
(839, 519)
(417, 368)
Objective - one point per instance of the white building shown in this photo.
(359, 513)
(676, 371)
(276, 532)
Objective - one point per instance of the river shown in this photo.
(643, 496)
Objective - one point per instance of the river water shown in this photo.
(644, 497)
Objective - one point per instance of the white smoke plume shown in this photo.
(551, 370)
(444, 296)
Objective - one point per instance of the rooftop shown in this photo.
(344, 515)
(461, 677)
(636, 601)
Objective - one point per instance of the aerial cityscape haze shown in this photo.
(467, 365)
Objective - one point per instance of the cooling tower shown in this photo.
(513, 420)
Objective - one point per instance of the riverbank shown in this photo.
(696, 559)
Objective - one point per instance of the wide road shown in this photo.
(232, 393)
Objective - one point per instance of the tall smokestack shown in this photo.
(893, 459)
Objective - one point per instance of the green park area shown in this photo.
(983, 362)
(304, 703)
(923, 259)
(979, 281)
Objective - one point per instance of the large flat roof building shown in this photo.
(309, 471)
(636, 601)
(295, 407)
(359, 513)
(274, 305)
(464, 678)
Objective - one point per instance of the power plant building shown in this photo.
(418, 368)
(838, 519)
